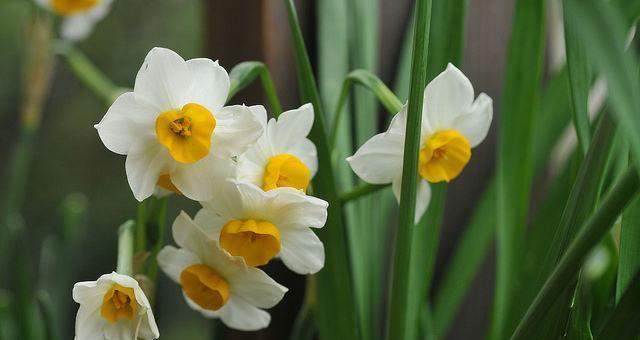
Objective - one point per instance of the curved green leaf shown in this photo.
(245, 73)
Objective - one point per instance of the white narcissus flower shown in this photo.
(282, 156)
(452, 123)
(260, 225)
(79, 15)
(113, 308)
(215, 283)
(174, 127)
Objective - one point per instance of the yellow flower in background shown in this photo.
(452, 123)
(79, 15)
(174, 127)
(215, 283)
(260, 225)
(114, 307)
(283, 156)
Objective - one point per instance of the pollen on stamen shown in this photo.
(181, 126)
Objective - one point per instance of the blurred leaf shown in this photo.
(593, 230)
(598, 24)
(47, 311)
(629, 247)
(403, 315)
(335, 308)
(245, 73)
(580, 319)
(579, 82)
(624, 322)
(515, 160)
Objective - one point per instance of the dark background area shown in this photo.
(69, 157)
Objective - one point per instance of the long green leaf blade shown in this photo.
(515, 162)
(591, 233)
(579, 81)
(335, 308)
(399, 314)
(629, 249)
(624, 322)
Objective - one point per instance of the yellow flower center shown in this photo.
(204, 286)
(164, 181)
(186, 133)
(119, 303)
(67, 7)
(286, 171)
(256, 241)
(443, 156)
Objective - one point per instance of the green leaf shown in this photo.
(515, 161)
(629, 249)
(400, 313)
(245, 73)
(624, 322)
(598, 24)
(580, 319)
(335, 308)
(593, 230)
(424, 248)
(47, 312)
(125, 248)
(579, 81)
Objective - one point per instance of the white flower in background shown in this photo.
(113, 308)
(452, 123)
(260, 225)
(282, 156)
(79, 15)
(174, 127)
(215, 283)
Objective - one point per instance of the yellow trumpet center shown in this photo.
(286, 170)
(67, 7)
(164, 181)
(256, 241)
(186, 133)
(204, 286)
(443, 156)
(119, 303)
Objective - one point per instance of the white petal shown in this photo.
(173, 261)
(379, 160)
(241, 315)
(77, 27)
(186, 233)
(126, 122)
(446, 97)
(306, 151)
(146, 161)
(257, 288)
(148, 327)
(292, 127)
(237, 128)
(163, 80)
(302, 251)
(423, 195)
(87, 291)
(210, 222)
(210, 83)
(226, 202)
(475, 124)
(198, 181)
(89, 323)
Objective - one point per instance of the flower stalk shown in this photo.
(125, 248)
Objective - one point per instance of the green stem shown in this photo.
(398, 322)
(590, 234)
(360, 191)
(371, 82)
(141, 228)
(159, 218)
(246, 72)
(125, 248)
(87, 72)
